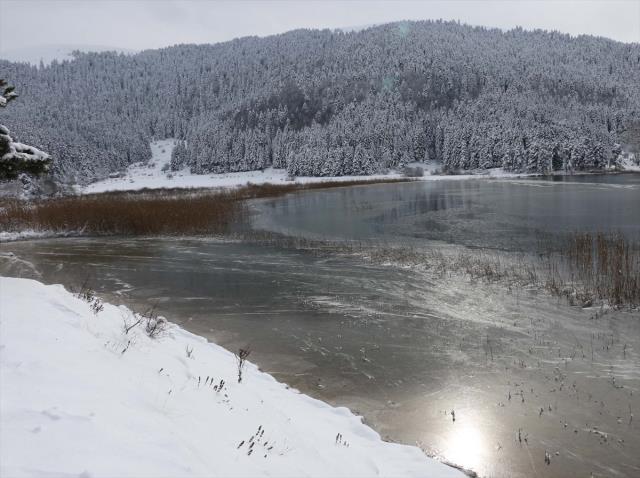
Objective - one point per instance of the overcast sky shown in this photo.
(140, 24)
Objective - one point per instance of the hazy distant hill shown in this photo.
(332, 103)
(47, 53)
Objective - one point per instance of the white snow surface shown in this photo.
(6, 236)
(80, 397)
(150, 175)
(627, 162)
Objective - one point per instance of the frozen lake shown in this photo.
(523, 372)
(508, 214)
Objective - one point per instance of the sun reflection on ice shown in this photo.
(466, 446)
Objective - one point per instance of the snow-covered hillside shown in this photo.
(83, 397)
(322, 102)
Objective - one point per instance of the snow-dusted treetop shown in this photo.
(8, 93)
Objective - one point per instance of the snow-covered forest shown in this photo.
(335, 103)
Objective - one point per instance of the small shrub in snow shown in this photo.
(341, 441)
(413, 172)
(86, 294)
(263, 447)
(128, 327)
(241, 358)
(155, 326)
(97, 306)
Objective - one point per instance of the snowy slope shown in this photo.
(80, 397)
(151, 175)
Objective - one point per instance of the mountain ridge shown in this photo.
(326, 102)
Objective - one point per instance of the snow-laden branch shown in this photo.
(23, 152)
(18, 158)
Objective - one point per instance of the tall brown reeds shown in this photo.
(605, 265)
(123, 214)
(147, 212)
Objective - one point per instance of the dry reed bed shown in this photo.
(596, 267)
(147, 212)
(586, 269)
(123, 215)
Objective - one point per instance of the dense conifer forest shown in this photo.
(338, 103)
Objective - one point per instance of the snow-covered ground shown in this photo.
(151, 175)
(23, 235)
(628, 163)
(82, 397)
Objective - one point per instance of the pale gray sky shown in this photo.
(139, 24)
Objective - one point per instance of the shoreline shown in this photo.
(153, 174)
(243, 193)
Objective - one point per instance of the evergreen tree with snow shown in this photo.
(17, 158)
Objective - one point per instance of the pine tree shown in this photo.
(17, 158)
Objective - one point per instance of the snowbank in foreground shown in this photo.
(80, 397)
(151, 175)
